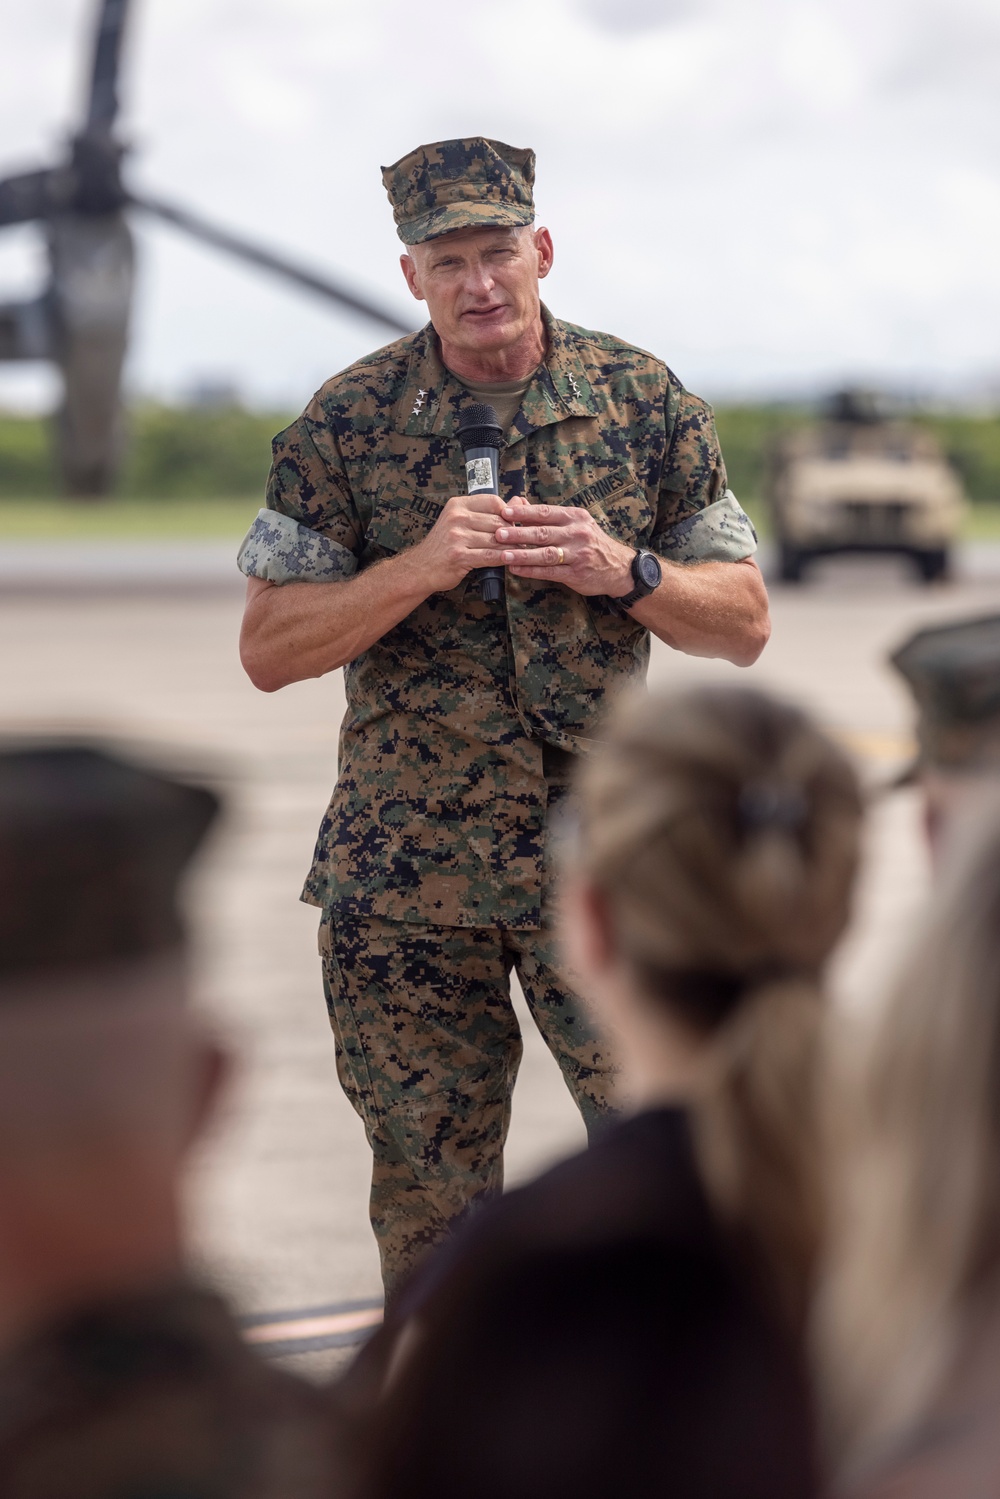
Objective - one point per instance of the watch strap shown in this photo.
(640, 591)
(633, 597)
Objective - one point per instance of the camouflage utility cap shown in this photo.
(114, 836)
(467, 184)
(953, 672)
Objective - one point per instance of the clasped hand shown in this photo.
(555, 543)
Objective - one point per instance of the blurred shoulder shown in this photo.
(639, 1181)
(641, 1171)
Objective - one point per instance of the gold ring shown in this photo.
(562, 555)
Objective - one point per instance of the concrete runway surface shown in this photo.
(147, 652)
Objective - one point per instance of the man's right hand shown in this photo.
(301, 630)
(466, 526)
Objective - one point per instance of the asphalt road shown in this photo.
(277, 1200)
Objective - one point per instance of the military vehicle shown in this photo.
(862, 481)
(80, 321)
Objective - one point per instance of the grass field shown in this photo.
(982, 523)
(227, 520)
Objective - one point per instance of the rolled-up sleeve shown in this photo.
(281, 550)
(310, 530)
(699, 519)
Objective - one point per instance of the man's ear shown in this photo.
(409, 268)
(546, 251)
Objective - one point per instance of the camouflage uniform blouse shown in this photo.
(439, 811)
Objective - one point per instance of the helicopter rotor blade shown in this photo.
(103, 104)
(30, 195)
(267, 260)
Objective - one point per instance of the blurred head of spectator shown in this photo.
(718, 847)
(953, 672)
(910, 1316)
(104, 1075)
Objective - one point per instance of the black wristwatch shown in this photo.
(646, 575)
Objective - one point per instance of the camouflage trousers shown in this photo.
(428, 1048)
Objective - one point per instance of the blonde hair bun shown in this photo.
(722, 827)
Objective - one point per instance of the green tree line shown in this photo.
(171, 453)
(185, 453)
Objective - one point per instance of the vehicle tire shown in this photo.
(791, 562)
(933, 565)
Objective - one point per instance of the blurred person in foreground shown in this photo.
(953, 672)
(632, 1322)
(909, 1325)
(119, 1377)
(464, 718)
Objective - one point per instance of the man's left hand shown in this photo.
(563, 544)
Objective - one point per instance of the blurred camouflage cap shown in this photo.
(466, 184)
(92, 849)
(953, 672)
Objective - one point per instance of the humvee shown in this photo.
(860, 482)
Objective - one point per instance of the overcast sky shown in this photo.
(767, 193)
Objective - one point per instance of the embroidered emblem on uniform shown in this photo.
(418, 403)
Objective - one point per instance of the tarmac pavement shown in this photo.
(144, 648)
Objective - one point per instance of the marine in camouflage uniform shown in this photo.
(433, 865)
(120, 1378)
(953, 672)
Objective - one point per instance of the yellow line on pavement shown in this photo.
(314, 1327)
(873, 745)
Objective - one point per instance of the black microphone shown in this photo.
(481, 436)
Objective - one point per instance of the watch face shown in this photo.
(649, 569)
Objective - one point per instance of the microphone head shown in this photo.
(479, 427)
